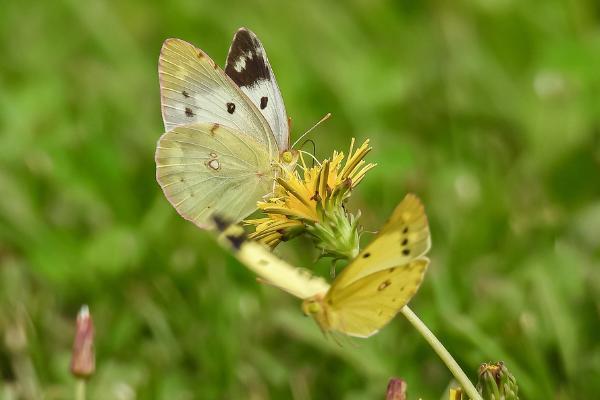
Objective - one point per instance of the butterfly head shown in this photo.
(315, 307)
(288, 159)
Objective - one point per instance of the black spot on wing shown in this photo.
(246, 63)
(230, 108)
(185, 94)
(188, 112)
(263, 102)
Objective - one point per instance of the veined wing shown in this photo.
(194, 88)
(205, 169)
(362, 308)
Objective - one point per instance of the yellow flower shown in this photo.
(311, 199)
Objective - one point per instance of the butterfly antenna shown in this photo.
(314, 148)
(325, 118)
(313, 157)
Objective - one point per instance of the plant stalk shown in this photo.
(80, 389)
(441, 351)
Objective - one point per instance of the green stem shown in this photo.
(441, 351)
(80, 389)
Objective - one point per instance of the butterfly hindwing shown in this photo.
(369, 303)
(205, 169)
(248, 66)
(195, 89)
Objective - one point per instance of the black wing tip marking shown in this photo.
(247, 62)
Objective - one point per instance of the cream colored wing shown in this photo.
(403, 238)
(365, 306)
(271, 269)
(207, 168)
(194, 88)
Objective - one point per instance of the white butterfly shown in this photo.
(227, 132)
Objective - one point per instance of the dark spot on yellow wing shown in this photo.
(188, 112)
(213, 129)
(200, 55)
(185, 94)
(383, 285)
(367, 255)
(405, 242)
(230, 108)
(405, 230)
(191, 194)
(394, 299)
(380, 313)
(392, 269)
(406, 252)
(263, 102)
(402, 288)
(181, 179)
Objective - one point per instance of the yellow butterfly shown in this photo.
(371, 290)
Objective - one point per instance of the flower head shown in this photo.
(314, 202)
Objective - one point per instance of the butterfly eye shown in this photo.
(287, 157)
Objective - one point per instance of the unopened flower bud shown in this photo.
(83, 361)
(396, 389)
(496, 383)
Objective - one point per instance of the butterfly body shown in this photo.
(227, 136)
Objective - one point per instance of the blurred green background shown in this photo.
(487, 109)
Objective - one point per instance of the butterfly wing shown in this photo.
(248, 66)
(208, 168)
(194, 88)
(362, 308)
(403, 238)
(271, 269)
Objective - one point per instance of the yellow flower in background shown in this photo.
(313, 201)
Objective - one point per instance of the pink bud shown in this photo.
(396, 389)
(83, 362)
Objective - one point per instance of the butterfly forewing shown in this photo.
(403, 238)
(248, 66)
(195, 89)
(205, 169)
(365, 306)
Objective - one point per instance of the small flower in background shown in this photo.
(396, 389)
(83, 361)
(314, 203)
(496, 383)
